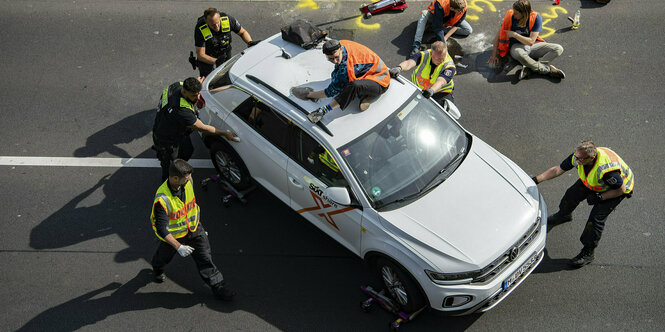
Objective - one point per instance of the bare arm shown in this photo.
(495, 50)
(450, 33)
(550, 174)
(244, 35)
(440, 81)
(172, 241)
(524, 40)
(202, 127)
(613, 193)
(202, 56)
(407, 64)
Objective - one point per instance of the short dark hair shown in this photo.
(191, 84)
(180, 168)
(210, 12)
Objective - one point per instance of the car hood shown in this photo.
(478, 213)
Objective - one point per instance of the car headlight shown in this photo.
(451, 278)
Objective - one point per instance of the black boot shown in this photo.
(158, 275)
(557, 219)
(222, 292)
(583, 258)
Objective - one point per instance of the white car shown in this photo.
(444, 219)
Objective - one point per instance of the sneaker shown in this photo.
(557, 219)
(315, 116)
(364, 103)
(416, 49)
(222, 292)
(583, 258)
(557, 73)
(158, 276)
(524, 73)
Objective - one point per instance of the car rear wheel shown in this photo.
(400, 285)
(230, 166)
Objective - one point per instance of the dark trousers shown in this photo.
(440, 97)
(359, 89)
(201, 255)
(206, 68)
(599, 213)
(167, 154)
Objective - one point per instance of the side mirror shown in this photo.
(339, 195)
(452, 110)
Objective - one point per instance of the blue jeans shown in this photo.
(463, 30)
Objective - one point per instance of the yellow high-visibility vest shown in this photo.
(183, 216)
(606, 161)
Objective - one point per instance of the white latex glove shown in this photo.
(185, 250)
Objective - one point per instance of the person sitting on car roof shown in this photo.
(359, 73)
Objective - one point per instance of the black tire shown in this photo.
(230, 166)
(400, 285)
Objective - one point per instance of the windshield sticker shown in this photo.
(346, 152)
(376, 191)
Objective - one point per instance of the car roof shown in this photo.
(310, 68)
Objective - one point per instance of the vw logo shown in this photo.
(514, 252)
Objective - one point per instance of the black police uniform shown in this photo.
(218, 43)
(170, 134)
(600, 211)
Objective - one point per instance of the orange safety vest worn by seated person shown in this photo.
(504, 42)
(357, 54)
(445, 4)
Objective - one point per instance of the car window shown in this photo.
(270, 124)
(230, 98)
(316, 159)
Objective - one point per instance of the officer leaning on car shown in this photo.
(212, 39)
(176, 119)
(175, 218)
(434, 72)
(604, 181)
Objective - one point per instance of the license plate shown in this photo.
(519, 272)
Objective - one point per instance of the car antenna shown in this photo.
(285, 54)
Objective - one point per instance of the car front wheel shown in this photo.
(400, 285)
(230, 166)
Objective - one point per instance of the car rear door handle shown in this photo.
(295, 183)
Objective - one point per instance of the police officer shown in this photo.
(175, 219)
(604, 181)
(434, 72)
(176, 118)
(212, 39)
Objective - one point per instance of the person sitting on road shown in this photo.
(434, 72)
(519, 34)
(359, 73)
(447, 18)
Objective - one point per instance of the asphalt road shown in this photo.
(79, 79)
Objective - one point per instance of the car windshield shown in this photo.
(407, 154)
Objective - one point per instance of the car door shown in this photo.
(309, 173)
(263, 144)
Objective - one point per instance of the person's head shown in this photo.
(457, 5)
(522, 10)
(585, 152)
(439, 51)
(180, 172)
(333, 51)
(191, 89)
(212, 18)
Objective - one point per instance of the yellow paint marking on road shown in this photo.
(360, 24)
(307, 4)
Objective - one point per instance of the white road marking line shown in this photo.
(93, 162)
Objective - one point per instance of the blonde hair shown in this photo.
(589, 147)
(439, 46)
(458, 4)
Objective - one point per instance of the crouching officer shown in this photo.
(175, 219)
(434, 72)
(604, 181)
(176, 119)
(212, 39)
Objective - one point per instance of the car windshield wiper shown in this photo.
(431, 183)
